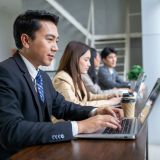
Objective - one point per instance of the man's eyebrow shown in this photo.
(53, 36)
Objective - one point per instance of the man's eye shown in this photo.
(57, 40)
(50, 39)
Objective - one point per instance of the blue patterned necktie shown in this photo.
(39, 85)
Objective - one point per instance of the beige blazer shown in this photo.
(63, 83)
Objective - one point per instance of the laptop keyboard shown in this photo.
(126, 127)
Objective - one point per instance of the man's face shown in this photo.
(110, 60)
(43, 47)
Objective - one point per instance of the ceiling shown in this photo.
(11, 6)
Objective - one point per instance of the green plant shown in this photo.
(134, 72)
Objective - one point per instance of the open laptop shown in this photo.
(141, 78)
(132, 126)
(136, 88)
(137, 94)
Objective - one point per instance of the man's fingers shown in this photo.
(119, 112)
(111, 125)
(112, 122)
(113, 114)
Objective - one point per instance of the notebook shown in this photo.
(132, 126)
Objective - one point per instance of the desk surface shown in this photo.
(87, 150)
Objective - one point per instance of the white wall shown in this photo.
(151, 58)
(109, 19)
(6, 38)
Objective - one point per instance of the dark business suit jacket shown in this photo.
(106, 80)
(21, 119)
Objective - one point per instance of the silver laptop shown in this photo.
(141, 78)
(130, 127)
(136, 87)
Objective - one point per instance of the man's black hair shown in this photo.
(29, 22)
(106, 51)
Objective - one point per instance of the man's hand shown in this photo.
(115, 112)
(98, 122)
(105, 117)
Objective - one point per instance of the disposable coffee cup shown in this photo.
(128, 106)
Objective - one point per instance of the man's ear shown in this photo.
(25, 39)
(103, 60)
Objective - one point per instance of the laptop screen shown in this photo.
(150, 102)
(141, 78)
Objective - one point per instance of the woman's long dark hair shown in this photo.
(92, 70)
(70, 62)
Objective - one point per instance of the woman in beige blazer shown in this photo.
(67, 81)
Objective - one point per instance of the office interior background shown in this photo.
(132, 27)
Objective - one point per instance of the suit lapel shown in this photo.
(79, 93)
(111, 75)
(27, 77)
(84, 91)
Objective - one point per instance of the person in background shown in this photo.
(28, 99)
(90, 79)
(108, 78)
(67, 81)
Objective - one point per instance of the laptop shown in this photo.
(137, 94)
(130, 127)
(141, 78)
(136, 88)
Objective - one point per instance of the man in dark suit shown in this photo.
(108, 78)
(27, 97)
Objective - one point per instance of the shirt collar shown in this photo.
(111, 70)
(32, 70)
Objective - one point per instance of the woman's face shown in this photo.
(84, 62)
(97, 61)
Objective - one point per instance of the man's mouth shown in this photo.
(51, 55)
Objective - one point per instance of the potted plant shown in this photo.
(134, 72)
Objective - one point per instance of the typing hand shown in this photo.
(113, 101)
(98, 122)
(114, 95)
(115, 112)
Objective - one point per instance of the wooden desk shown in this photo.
(88, 150)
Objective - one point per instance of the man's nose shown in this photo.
(55, 47)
